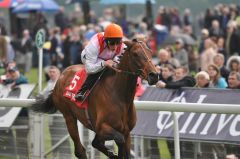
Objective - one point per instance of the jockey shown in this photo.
(102, 51)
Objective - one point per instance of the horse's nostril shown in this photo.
(153, 75)
(152, 78)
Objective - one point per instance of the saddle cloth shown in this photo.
(75, 85)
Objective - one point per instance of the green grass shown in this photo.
(163, 149)
(32, 77)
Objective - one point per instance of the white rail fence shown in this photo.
(146, 106)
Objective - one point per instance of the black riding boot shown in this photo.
(87, 85)
(81, 94)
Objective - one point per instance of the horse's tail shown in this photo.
(43, 105)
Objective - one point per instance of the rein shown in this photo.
(139, 71)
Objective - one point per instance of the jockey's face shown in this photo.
(113, 43)
(112, 47)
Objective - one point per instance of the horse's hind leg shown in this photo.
(71, 123)
(99, 144)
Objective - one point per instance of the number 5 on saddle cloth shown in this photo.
(88, 85)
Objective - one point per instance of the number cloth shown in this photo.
(75, 85)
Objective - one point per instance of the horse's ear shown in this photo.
(134, 40)
(128, 43)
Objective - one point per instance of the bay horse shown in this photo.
(111, 108)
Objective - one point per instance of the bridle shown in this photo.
(139, 72)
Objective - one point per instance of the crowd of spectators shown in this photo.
(216, 56)
(216, 50)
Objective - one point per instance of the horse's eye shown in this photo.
(135, 54)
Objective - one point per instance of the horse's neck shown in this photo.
(125, 84)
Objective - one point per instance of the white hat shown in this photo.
(204, 73)
(205, 32)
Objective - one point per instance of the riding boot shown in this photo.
(81, 94)
(87, 85)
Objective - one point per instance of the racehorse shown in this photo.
(111, 109)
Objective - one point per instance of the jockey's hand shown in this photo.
(109, 63)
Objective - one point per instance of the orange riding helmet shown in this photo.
(113, 31)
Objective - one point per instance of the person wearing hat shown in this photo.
(101, 52)
(14, 77)
(181, 54)
(204, 36)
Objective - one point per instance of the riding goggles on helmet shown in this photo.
(115, 41)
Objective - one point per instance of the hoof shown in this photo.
(81, 156)
(111, 155)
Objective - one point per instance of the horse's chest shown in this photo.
(128, 119)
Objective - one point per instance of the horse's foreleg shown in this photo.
(106, 132)
(98, 144)
(127, 147)
(124, 148)
(71, 123)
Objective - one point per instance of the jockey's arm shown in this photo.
(92, 62)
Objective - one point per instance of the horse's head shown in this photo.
(140, 61)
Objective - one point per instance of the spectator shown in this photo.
(3, 49)
(175, 63)
(224, 18)
(75, 49)
(175, 17)
(27, 49)
(232, 41)
(193, 58)
(66, 44)
(181, 54)
(60, 19)
(166, 18)
(10, 50)
(216, 80)
(234, 80)
(187, 20)
(204, 36)
(53, 73)
(215, 30)
(181, 79)
(163, 57)
(2, 19)
(221, 47)
(166, 75)
(208, 19)
(14, 77)
(233, 63)
(202, 79)
(218, 60)
(208, 54)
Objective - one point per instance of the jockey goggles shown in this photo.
(113, 41)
